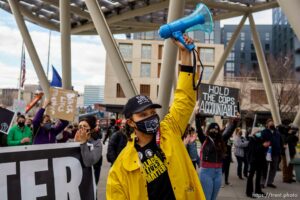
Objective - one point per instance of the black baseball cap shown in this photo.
(138, 104)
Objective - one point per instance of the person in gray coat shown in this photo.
(90, 144)
(240, 143)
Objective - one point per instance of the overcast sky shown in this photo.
(88, 53)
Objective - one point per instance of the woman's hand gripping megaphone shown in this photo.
(185, 53)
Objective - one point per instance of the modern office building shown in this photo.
(242, 60)
(93, 94)
(285, 42)
(144, 61)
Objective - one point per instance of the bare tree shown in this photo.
(285, 86)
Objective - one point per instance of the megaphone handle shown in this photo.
(179, 36)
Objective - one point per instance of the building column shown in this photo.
(228, 48)
(290, 9)
(176, 9)
(65, 31)
(265, 73)
(30, 47)
(112, 49)
(222, 60)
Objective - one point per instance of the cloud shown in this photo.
(88, 57)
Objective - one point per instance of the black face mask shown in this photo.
(21, 124)
(272, 127)
(149, 125)
(29, 125)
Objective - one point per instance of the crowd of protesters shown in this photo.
(153, 159)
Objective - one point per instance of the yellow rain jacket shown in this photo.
(126, 179)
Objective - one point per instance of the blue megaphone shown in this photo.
(200, 19)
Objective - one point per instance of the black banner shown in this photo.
(218, 100)
(6, 118)
(45, 172)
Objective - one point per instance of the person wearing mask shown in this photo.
(28, 122)
(19, 134)
(191, 146)
(240, 143)
(117, 142)
(212, 154)
(290, 142)
(110, 130)
(98, 165)
(276, 143)
(155, 164)
(90, 144)
(44, 131)
(257, 159)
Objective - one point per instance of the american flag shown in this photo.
(23, 69)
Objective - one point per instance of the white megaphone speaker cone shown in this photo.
(207, 27)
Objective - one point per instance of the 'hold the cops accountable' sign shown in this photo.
(52, 172)
(218, 100)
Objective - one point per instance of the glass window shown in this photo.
(230, 66)
(129, 66)
(243, 55)
(158, 70)
(145, 90)
(267, 35)
(243, 36)
(146, 51)
(145, 70)
(209, 38)
(253, 57)
(252, 47)
(126, 50)
(208, 70)
(229, 74)
(207, 54)
(228, 36)
(231, 56)
(160, 51)
(242, 46)
(120, 93)
(267, 47)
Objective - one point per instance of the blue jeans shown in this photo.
(211, 180)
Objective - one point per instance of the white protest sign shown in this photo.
(63, 104)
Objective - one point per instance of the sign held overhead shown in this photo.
(218, 100)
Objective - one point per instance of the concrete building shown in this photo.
(242, 60)
(285, 42)
(93, 94)
(144, 60)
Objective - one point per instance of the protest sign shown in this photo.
(218, 100)
(51, 171)
(19, 106)
(63, 104)
(6, 119)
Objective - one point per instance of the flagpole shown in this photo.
(49, 46)
(21, 69)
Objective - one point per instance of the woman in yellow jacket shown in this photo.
(155, 164)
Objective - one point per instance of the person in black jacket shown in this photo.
(290, 140)
(110, 130)
(212, 153)
(257, 159)
(276, 143)
(117, 142)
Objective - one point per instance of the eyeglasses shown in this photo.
(84, 127)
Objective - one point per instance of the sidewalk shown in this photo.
(236, 191)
